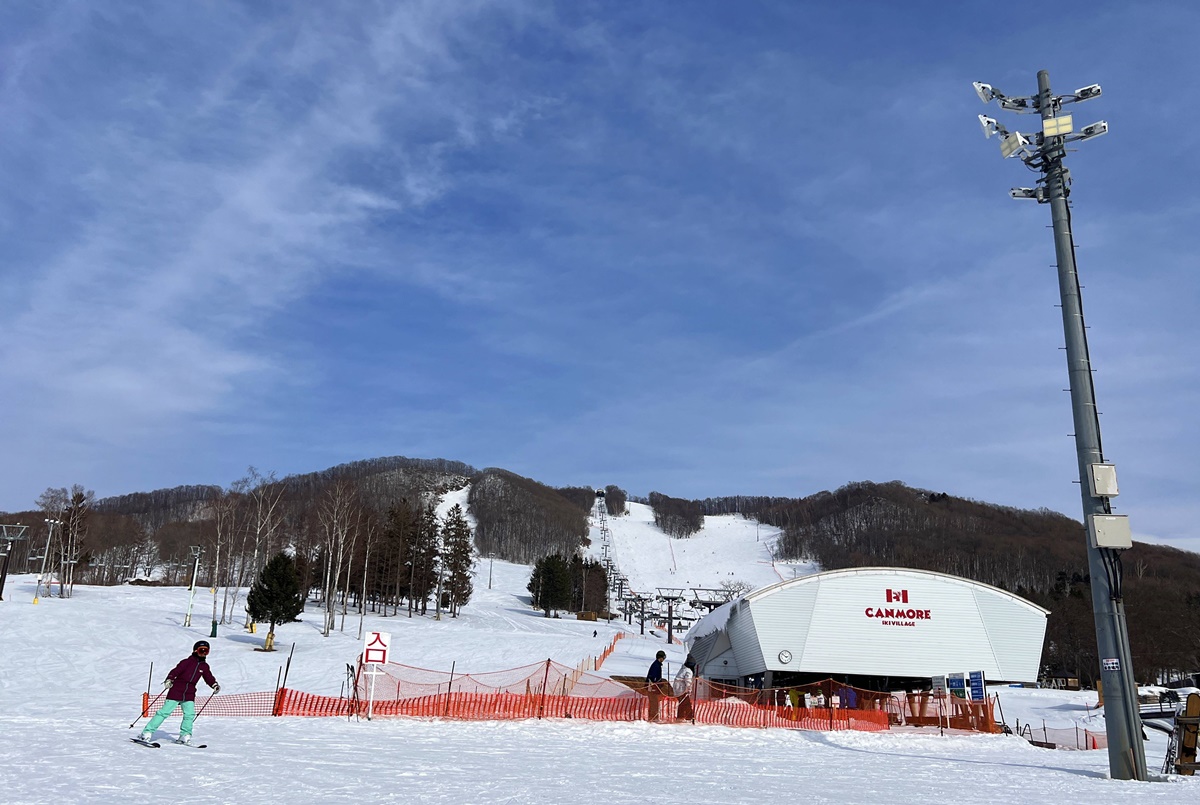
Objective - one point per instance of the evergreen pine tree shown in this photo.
(276, 597)
(459, 558)
(589, 585)
(391, 577)
(424, 556)
(550, 583)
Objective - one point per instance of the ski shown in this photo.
(151, 744)
(190, 746)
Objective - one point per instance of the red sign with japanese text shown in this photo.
(377, 646)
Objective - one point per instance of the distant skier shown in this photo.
(181, 682)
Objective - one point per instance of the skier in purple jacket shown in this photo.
(182, 683)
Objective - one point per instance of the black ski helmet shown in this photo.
(200, 643)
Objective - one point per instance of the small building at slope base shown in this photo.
(875, 627)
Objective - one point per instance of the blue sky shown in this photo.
(702, 248)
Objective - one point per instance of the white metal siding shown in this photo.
(830, 618)
(1016, 633)
(783, 621)
(744, 639)
(722, 666)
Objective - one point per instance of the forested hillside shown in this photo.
(676, 516)
(367, 529)
(521, 520)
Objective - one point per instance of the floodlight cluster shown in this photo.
(1037, 149)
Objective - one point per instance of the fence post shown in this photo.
(829, 702)
(545, 682)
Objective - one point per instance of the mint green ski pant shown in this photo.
(189, 716)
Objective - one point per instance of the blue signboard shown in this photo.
(958, 685)
(977, 692)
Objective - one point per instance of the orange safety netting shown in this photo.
(832, 705)
(231, 704)
(826, 705)
(926, 710)
(604, 655)
(397, 682)
(511, 706)
(552, 690)
(1077, 738)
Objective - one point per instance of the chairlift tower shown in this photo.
(709, 597)
(8, 535)
(1108, 534)
(670, 595)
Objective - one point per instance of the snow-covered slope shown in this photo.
(728, 550)
(72, 671)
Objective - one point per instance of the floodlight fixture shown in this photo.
(1057, 126)
(987, 93)
(1094, 130)
(1013, 144)
(1036, 193)
(990, 126)
(1088, 92)
(1019, 105)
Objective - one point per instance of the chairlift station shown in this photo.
(876, 624)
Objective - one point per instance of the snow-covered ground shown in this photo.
(72, 672)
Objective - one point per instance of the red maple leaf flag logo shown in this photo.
(897, 595)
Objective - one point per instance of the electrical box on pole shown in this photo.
(1110, 531)
(1102, 479)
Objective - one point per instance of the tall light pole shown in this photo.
(196, 551)
(37, 592)
(216, 574)
(1108, 533)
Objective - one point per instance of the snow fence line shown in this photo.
(552, 690)
(1057, 738)
(501, 706)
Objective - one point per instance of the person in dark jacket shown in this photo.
(181, 684)
(654, 685)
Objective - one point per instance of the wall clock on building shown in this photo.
(785, 656)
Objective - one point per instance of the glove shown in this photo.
(216, 687)
(168, 682)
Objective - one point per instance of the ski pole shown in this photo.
(211, 696)
(148, 709)
(149, 680)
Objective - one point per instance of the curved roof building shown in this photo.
(871, 622)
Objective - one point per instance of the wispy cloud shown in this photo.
(708, 253)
